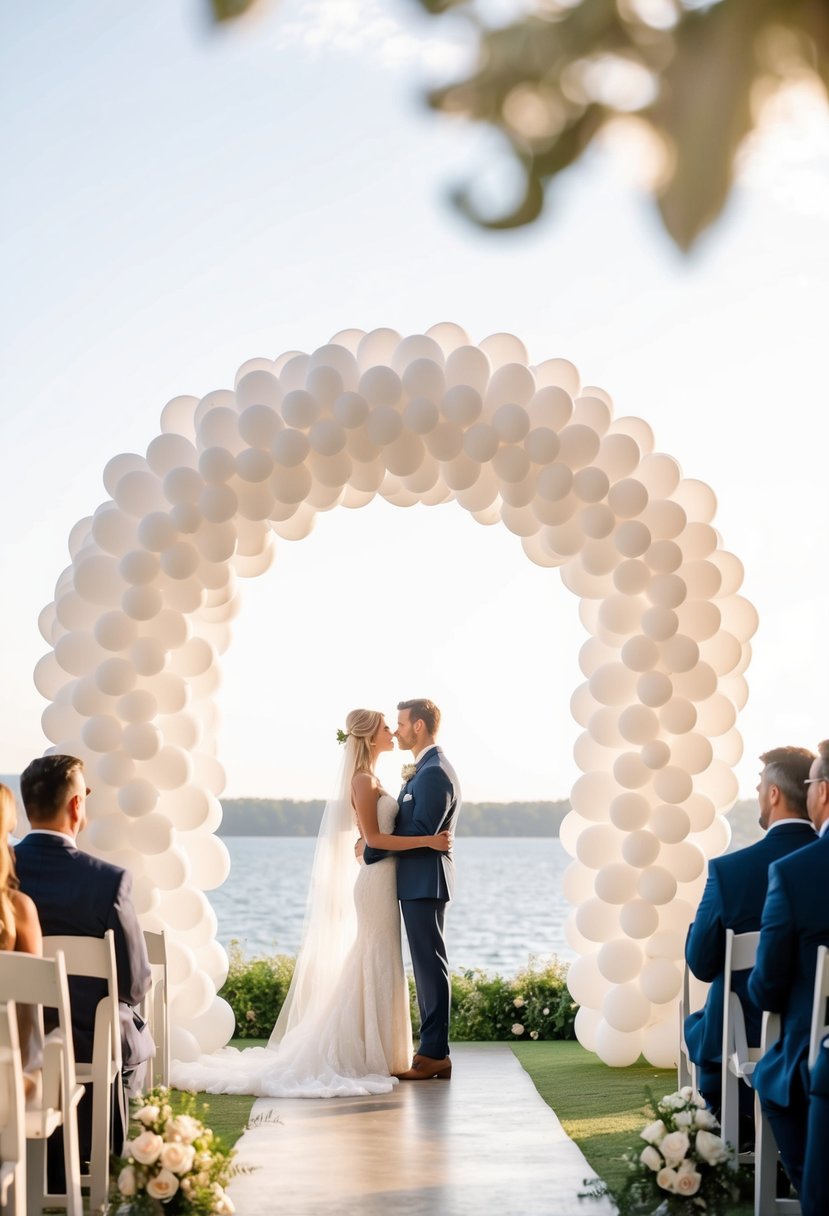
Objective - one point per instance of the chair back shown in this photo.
(820, 1012)
(738, 1059)
(154, 1008)
(42, 981)
(94, 958)
(12, 1117)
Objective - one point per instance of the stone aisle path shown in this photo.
(482, 1143)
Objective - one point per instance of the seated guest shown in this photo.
(19, 930)
(80, 896)
(733, 899)
(814, 1193)
(795, 922)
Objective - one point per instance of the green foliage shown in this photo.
(490, 1007)
(484, 1007)
(284, 817)
(255, 989)
(692, 72)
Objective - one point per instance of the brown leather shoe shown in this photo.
(424, 1068)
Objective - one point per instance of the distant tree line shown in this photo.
(284, 817)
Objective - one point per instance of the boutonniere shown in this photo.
(408, 771)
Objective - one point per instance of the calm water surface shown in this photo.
(508, 905)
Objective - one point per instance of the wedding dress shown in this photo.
(351, 1043)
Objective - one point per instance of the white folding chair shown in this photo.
(766, 1153)
(42, 982)
(12, 1117)
(738, 1059)
(154, 1007)
(94, 957)
(820, 1005)
(693, 996)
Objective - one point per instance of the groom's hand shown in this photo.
(358, 848)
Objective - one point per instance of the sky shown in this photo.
(183, 198)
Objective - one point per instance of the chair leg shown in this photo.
(99, 1155)
(72, 1162)
(730, 1113)
(35, 1175)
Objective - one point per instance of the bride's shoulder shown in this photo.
(362, 782)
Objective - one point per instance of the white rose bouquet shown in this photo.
(172, 1164)
(683, 1168)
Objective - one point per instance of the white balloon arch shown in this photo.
(144, 610)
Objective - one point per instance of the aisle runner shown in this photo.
(484, 1142)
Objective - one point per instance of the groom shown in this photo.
(429, 803)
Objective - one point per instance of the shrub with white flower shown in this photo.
(684, 1169)
(173, 1164)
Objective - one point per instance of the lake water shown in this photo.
(508, 905)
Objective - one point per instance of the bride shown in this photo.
(345, 1026)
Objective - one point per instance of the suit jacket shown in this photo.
(795, 923)
(733, 899)
(79, 895)
(429, 803)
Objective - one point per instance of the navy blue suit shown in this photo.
(429, 803)
(795, 923)
(733, 899)
(80, 896)
(814, 1193)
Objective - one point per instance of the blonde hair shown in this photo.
(361, 726)
(8, 879)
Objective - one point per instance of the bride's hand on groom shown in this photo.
(358, 848)
(442, 842)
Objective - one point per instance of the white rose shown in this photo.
(163, 1186)
(711, 1148)
(687, 1093)
(146, 1148)
(223, 1205)
(651, 1158)
(704, 1118)
(177, 1157)
(519, 1002)
(148, 1115)
(533, 1034)
(127, 1182)
(183, 1128)
(654, 1132)
(698, 1100)
(674, 1147)
(666, 1179)
(517, 1028)
(684, 1118)
(672, 1102)
(687, 1180)
(545, 1010)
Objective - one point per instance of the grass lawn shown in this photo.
(601, 1108)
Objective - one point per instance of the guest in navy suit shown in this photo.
(429, 803)
(814, 1193)
(79, 895)
(733, 899)
(795, 923)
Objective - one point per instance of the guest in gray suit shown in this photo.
(81, 896)
(429, 803)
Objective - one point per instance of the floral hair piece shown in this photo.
(341, 735)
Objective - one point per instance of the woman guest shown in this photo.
(19, 930)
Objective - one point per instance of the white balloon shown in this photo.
(616, 883)
(616, 1049)
(620, 961)
(660, 1043)
(626, 1008)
